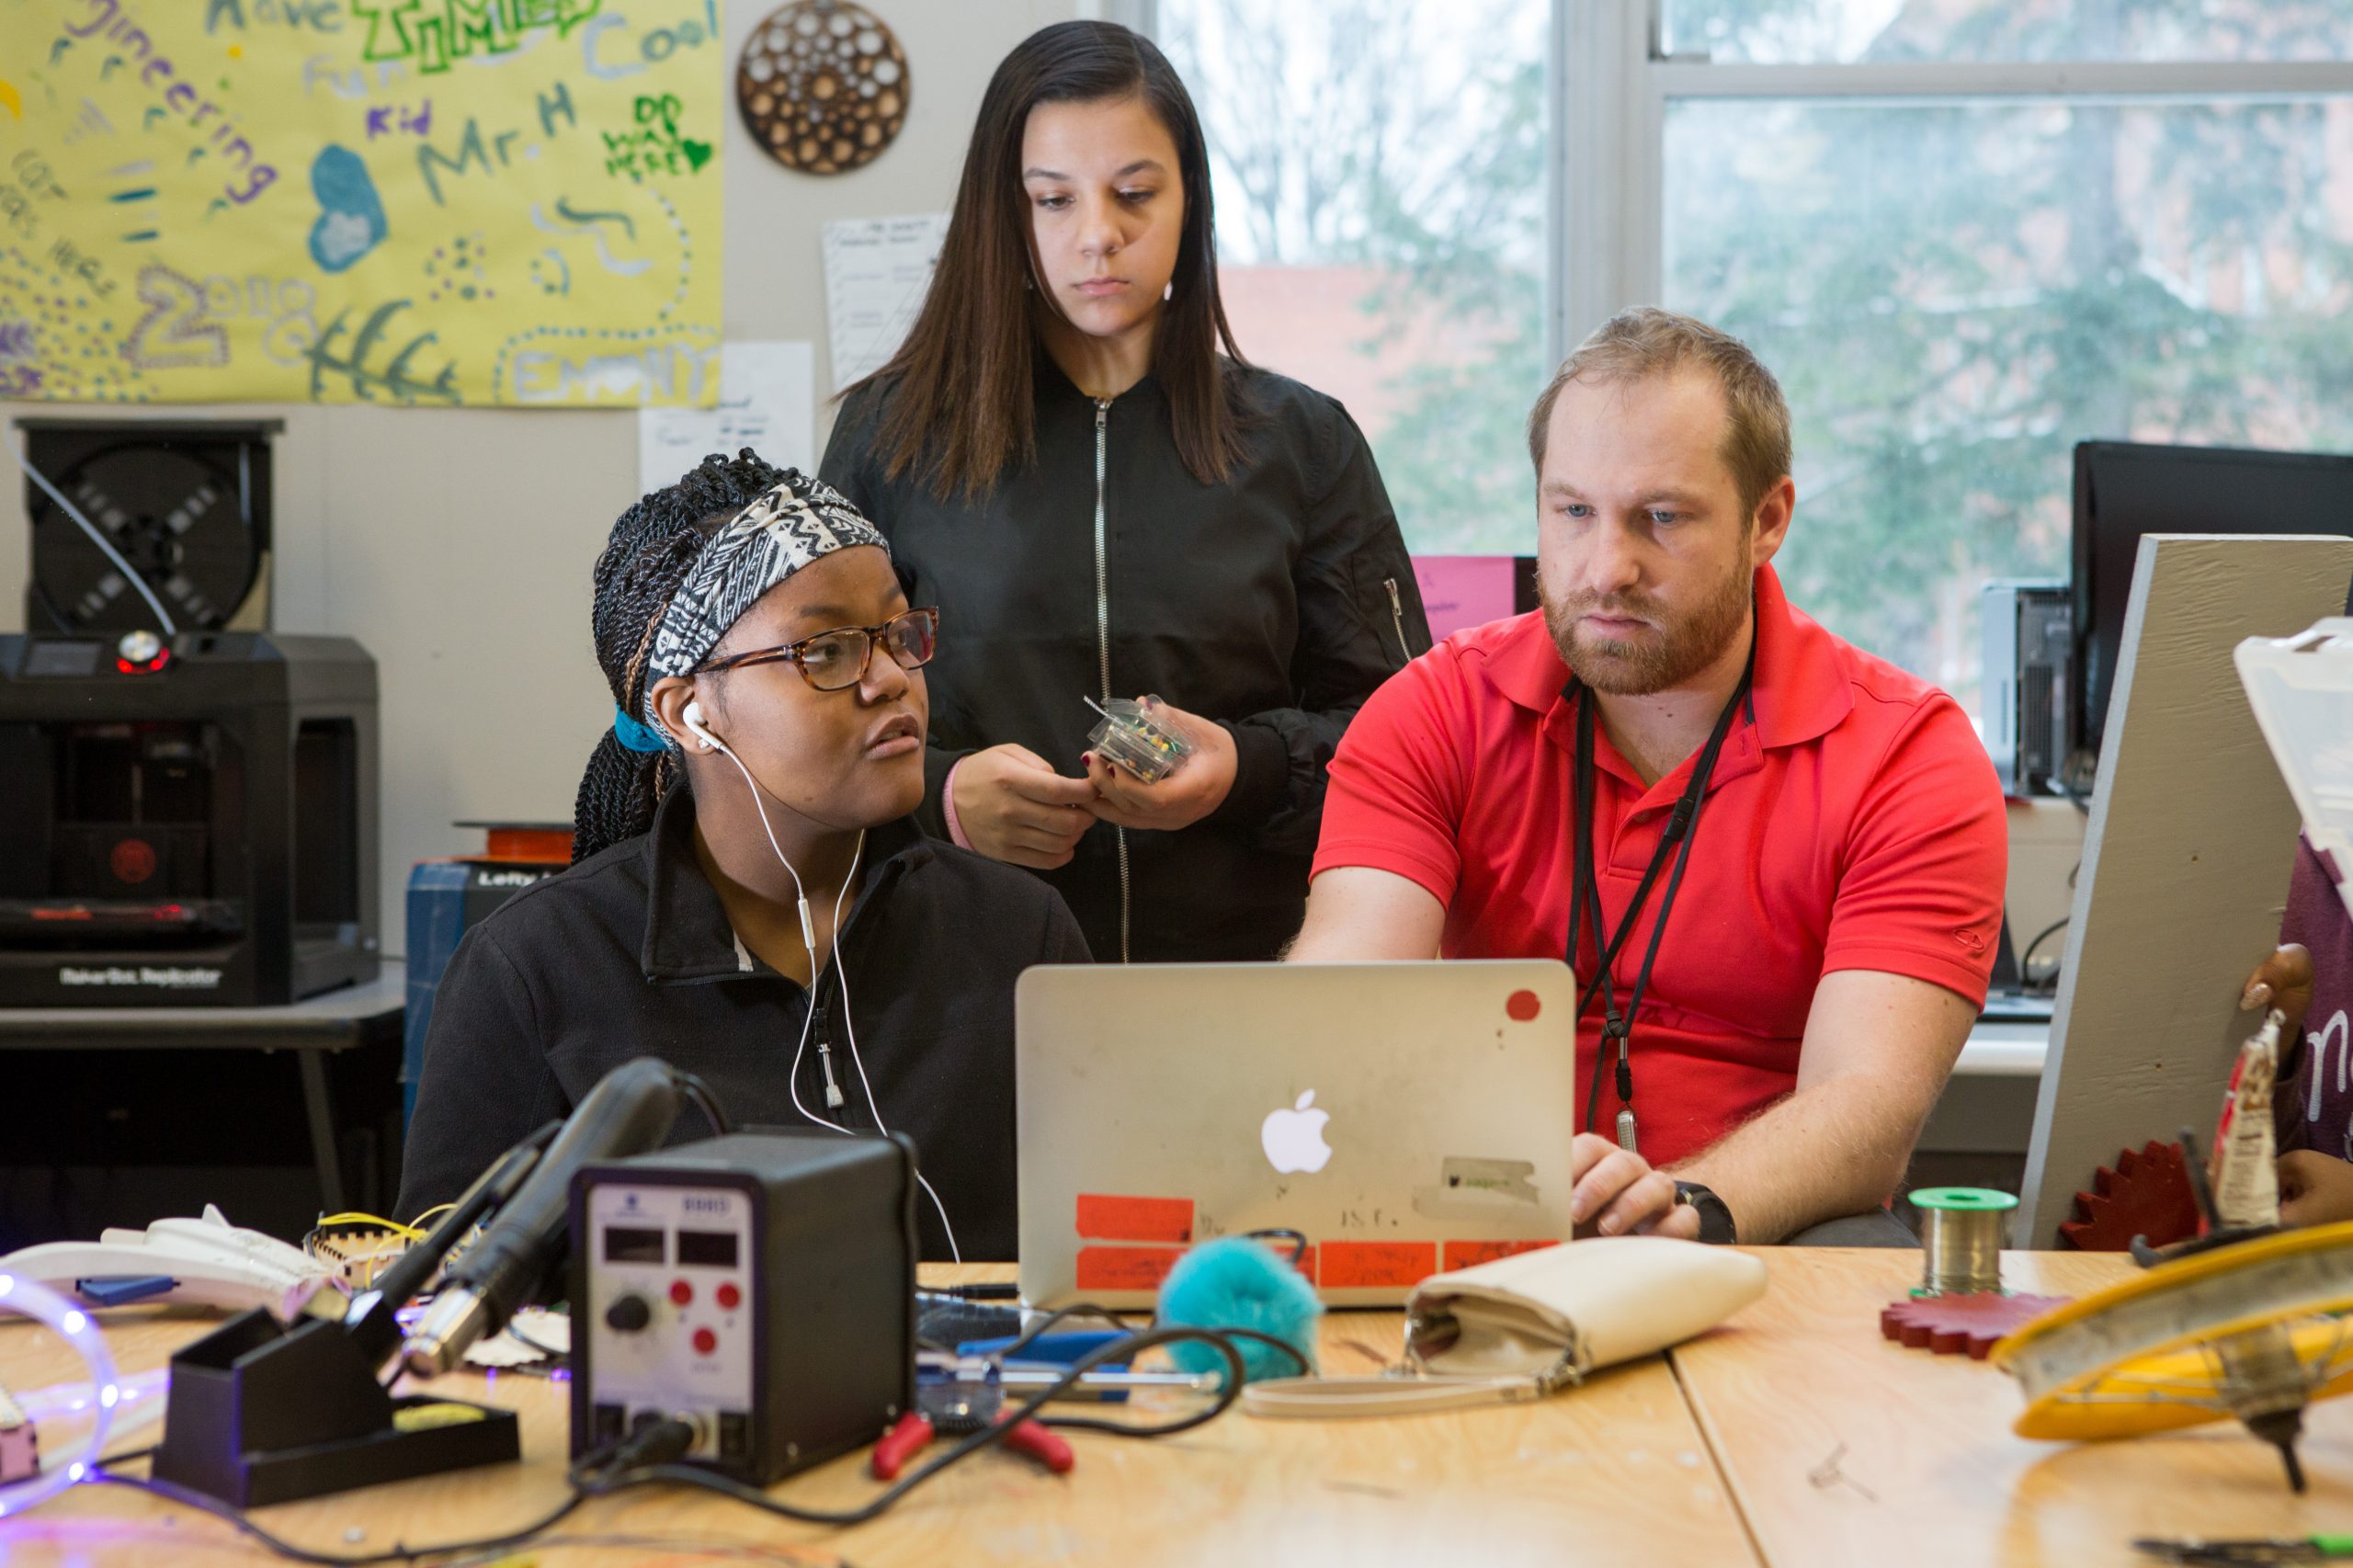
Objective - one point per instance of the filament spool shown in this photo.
(1961, 1230)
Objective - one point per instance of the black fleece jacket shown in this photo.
(630, 954)
(1274, 603)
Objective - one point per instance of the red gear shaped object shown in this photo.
(1962, 1326)
(2146, 1194)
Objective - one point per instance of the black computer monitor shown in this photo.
(2124, 490)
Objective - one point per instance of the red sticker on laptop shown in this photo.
(1125, 1268)
(1105, 1218)
(1346, 1266)
(1468, 1255)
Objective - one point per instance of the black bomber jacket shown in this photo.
(1274, 602)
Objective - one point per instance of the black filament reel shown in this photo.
(186, 503)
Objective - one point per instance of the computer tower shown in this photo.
(2027, 638)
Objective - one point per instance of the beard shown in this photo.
(1676, 649)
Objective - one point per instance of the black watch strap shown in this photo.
(1715, 1219)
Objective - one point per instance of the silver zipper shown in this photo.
(1397, 618)
(1103, 625)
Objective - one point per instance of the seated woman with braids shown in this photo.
(748, 899)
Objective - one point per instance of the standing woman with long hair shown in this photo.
(1109, 501)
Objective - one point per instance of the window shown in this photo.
(1380, 168)
(1965, 234)
(1961, 260)
(1816, 32)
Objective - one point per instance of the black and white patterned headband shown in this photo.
(798, 521)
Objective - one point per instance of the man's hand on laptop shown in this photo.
(1618, 1194)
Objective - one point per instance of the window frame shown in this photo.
(1617, 83)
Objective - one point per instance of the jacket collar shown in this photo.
(1801, 691)
(1054, 385)
(688, 936)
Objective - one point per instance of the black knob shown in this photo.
(628, 1314)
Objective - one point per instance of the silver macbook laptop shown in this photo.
(1405, 1117)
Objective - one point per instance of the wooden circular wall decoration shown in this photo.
(823, 85)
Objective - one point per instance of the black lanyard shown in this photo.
(1585, 892)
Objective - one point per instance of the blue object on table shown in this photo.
(1053, 1349)
(121, 1289)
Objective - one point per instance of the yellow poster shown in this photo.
(408, 202)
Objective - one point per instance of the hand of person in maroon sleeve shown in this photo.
(1012, 806)
(2315, 1188)
(1618, 1194)
(1182, 799)
(2283, 981)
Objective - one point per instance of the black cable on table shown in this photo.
(595, 1476)
(287, 1549)
(1119, 1349)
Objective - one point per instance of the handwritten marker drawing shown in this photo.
(249, 194)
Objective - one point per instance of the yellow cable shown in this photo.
(436, 1208)
(377, 1220)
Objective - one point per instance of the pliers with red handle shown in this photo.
(959, 1395)
(916, 1430)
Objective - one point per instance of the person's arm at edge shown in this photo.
(1062, 941)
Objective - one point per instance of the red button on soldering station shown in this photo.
(681, 1293)
(728, 1296)
(705, 1342)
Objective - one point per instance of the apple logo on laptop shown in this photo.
(1294, 1139)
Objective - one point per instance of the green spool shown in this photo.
(1960, 1231)
(1983, 1198)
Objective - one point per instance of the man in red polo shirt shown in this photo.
(1820, 832)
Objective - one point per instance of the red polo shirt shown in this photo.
(1853, 822)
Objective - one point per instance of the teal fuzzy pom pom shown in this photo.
(1235, 1282)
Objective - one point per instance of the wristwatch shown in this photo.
(1715, 1219)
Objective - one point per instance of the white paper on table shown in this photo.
(877, 270)
(767, 401)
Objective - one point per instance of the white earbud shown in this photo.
(695, 727)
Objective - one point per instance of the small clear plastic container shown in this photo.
(2301, 690)
(1130, 738)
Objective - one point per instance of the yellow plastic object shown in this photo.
(2172, 1347)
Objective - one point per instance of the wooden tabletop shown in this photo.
(1926, 1472)
(1615, 1472)
(1794, 1435)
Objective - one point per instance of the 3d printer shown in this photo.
(190, 800)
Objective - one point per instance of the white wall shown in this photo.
(456, 544)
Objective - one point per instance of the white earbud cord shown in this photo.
(809, 945)
(841, 977)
